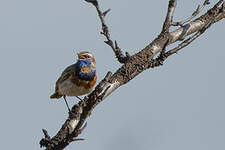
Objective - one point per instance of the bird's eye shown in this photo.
(87, 56)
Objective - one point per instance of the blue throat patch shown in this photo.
(85, 76)
(83, 63)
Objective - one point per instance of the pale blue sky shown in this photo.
(177, 106)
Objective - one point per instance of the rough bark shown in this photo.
(187, 31)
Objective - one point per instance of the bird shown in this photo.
(77, 79)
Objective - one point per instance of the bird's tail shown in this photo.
(56, 95)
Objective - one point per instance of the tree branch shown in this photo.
(133, 66)
(222, 14)
(194, 14)
(105, 31)
(169, 17)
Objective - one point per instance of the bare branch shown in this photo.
(46, 134)
(79, 131)
(197, 24)
(94, 2)
(46, 140)
(160, 59)
(105, 31)
(169, 17)
(222, 15)
(194, 14)
(163, 56)
(74, 124)
(104, 13)
(137, 63)
(188, 41)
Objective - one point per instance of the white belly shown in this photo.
(69, 89)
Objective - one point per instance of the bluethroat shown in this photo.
(77, 79)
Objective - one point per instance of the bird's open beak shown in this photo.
(81, 57)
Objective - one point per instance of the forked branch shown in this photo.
(132, 66)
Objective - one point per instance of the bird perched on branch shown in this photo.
(77, 79)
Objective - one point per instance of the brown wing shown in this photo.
(65, 75)
(69, 71)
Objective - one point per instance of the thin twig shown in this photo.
(105, 31)
(73, 126)
(194, 14)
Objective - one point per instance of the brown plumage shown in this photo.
(77, 79)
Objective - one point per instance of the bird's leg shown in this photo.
(79, 98)
(64, 97)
